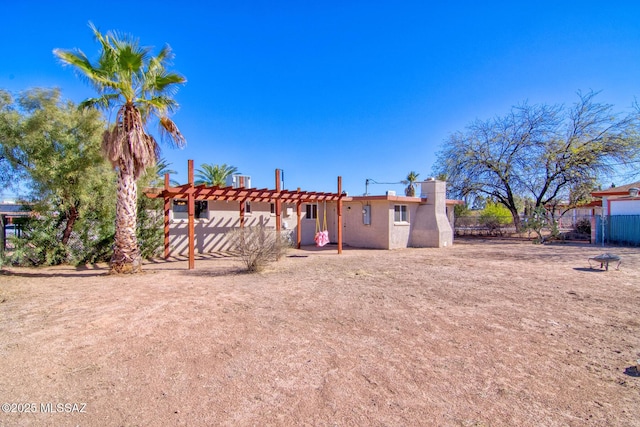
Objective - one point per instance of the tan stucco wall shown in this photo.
(356, 234)
(210, 232)
(383, 232)
(223, 216)
(399, 232)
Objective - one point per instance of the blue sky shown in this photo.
(360, 89)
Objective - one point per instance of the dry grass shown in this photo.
(480, 334)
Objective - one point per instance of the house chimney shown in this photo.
(430, 225)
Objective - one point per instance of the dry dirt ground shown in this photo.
(485, 333)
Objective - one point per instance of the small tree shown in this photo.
(538, 222)
(583, 226)
(410, 190)
(460, 211)
(258, 246)
(494, 216)
(54, 149)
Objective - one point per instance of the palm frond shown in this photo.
(128, 75)
(83, 68)
(170, 131)
(165, 83)
(103, 102)
(113, 141)
(76, 58)
(158, 104)
(165, 55)
(214, 174)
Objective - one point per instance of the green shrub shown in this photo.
(40, 243)
(150, 227)
(583, 226)
(538, 222)
(494, 216)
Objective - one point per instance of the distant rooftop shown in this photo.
(623, 190)
(14, 209)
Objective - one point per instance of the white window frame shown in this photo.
(312, 211)
(400, 214)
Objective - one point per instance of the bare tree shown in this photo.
(540, 152)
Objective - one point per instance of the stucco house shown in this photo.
(392, 222)
(371, 221)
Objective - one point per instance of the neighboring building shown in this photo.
(623, 200)
(568, 218)
(614, 201)
(619, 221)
(381, 222)
(10, 212)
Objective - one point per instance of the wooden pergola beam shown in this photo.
(235, 194)
(193, 193)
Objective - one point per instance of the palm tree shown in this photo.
(214, 174)
(411, 180)
(155, 174)
(129, 78)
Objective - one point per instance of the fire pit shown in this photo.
(605, 259)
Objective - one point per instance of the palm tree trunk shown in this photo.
(126, 254)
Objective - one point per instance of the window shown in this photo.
(400, 213)
(312, 211)
(181, 209)
(273, 208)
(247, 207)
(202, 208)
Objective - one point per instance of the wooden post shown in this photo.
(339, 214)
(242, 209)
(167, 209)
(299, 224)
(191, 212)
(277, 202)
(3, 236)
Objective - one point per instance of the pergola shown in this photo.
(192, 192)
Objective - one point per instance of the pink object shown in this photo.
(322, 238)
